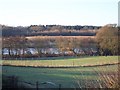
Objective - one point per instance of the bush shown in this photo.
(9, 82)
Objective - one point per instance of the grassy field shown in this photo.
(57, 37)
(68, 77)
(65, 62)
(82, 77)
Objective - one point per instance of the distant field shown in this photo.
(65, 62)
(56, 37)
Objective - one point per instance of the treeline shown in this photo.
(48, 46)
(50, 30)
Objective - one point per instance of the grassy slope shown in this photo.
(88, 61)
(64, 76)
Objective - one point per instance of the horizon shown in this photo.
(58, 12)
(50, 24)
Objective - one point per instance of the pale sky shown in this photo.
(59, 12)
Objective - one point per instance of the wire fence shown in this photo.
(14, 82)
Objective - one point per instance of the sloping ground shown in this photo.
(83, 77)
(73, 62)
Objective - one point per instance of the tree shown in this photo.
(22, 44)
(67, 45)
(6, 43)
(61, 44)
(38, 44)
(14, 43)
(107, 39)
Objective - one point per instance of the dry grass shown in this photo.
(110, 79)
(57, 37)
(103, 79)
(71, 62)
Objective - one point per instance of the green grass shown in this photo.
(86, 61)
(68, 77)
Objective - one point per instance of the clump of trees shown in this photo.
(17, 46)
(107, 39)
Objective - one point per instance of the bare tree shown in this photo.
(107, 39)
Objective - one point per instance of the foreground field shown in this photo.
(63, 62)
(83, 77)
(80, 77)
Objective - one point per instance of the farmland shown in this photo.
(58, 37)
(68, 77)
(65, 62)
(81, 77)
(60, 44)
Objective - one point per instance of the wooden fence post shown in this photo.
(13, 81)
(73, 63)
(60, 86)
(37, 85)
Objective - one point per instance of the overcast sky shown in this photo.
(62, 12)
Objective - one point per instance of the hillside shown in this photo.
(50, 30)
